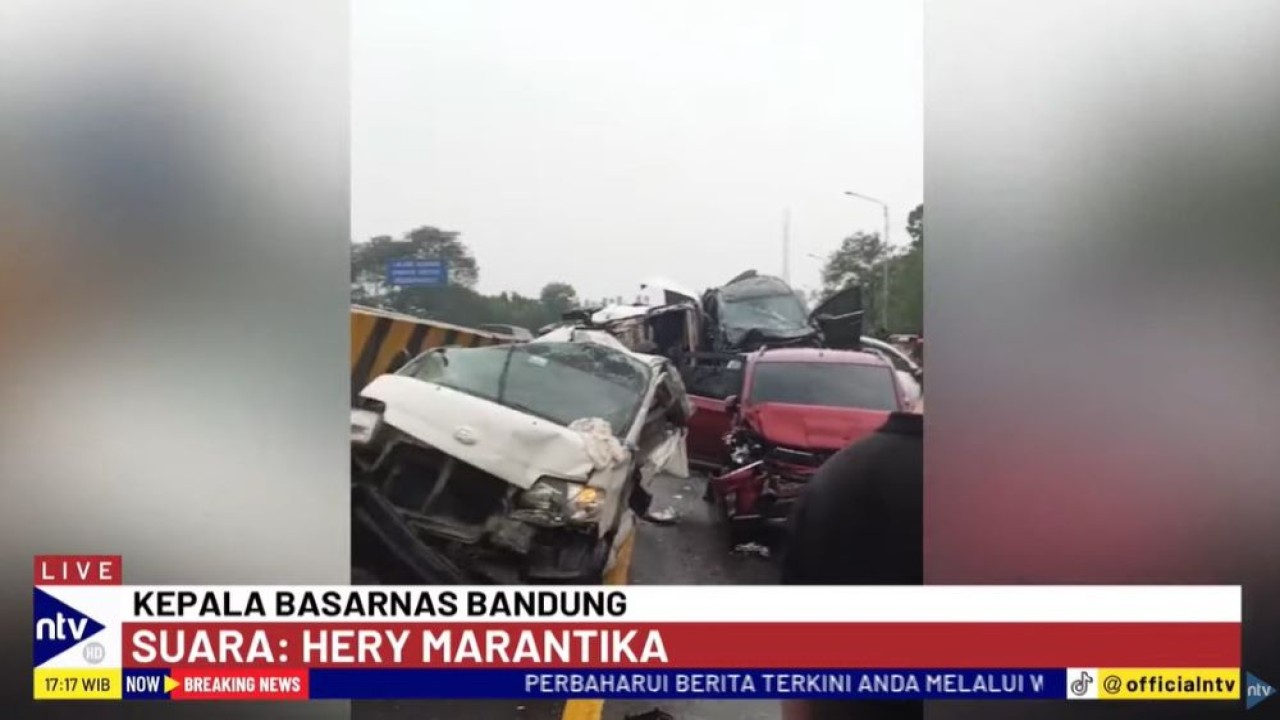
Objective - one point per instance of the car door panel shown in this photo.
(707, 429)
(839, 318)
(710, 378)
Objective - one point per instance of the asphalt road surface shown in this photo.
(693, 551)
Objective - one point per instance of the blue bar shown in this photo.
(144, 684)
(481, 684)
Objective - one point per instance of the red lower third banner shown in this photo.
(239, 684)
(687, 645)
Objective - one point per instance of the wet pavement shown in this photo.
(695, 550)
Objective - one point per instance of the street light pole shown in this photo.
(884, 302)
(786, 246)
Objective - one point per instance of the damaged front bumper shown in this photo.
(763, 492)
(422, 516)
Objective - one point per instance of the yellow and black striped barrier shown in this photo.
(378, 337)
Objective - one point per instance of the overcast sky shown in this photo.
(601, 143)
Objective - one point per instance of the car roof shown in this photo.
(818, 355)
(570, 334)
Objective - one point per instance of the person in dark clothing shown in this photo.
(860, 522)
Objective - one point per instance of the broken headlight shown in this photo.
(364, 423)
(560, 501)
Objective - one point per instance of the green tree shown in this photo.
(906, 292)
(432, 243)
(906, 289)
(858, 261)
(369, 268)
(369, 259)
(864, 259)
(915, 225)
(558, 298)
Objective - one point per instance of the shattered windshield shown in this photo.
(559, 382)
(762, 303)
(777, 315)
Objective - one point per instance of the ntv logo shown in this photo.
(59, 627)
(1256, 690)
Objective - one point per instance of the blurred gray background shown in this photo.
(1102, 287)
(173, 295)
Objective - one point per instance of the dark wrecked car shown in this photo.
(750, 312)
(522, 463)
(713, 376)
(796, 407)
(754, 311)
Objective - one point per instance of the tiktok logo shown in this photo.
(1080, 686)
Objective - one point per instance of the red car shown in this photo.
(770, 419)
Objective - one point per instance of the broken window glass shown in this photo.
(559, 382)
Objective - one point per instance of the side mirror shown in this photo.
(732, 403)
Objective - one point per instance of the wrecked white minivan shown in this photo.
(522, 463)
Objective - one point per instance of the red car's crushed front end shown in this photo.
(776, 450)
(763, 491)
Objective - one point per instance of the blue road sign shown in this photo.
(417, 272)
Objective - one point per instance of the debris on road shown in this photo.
(751, 548)
(666, 516)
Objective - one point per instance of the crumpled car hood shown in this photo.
(503, 442)
(811, 427)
